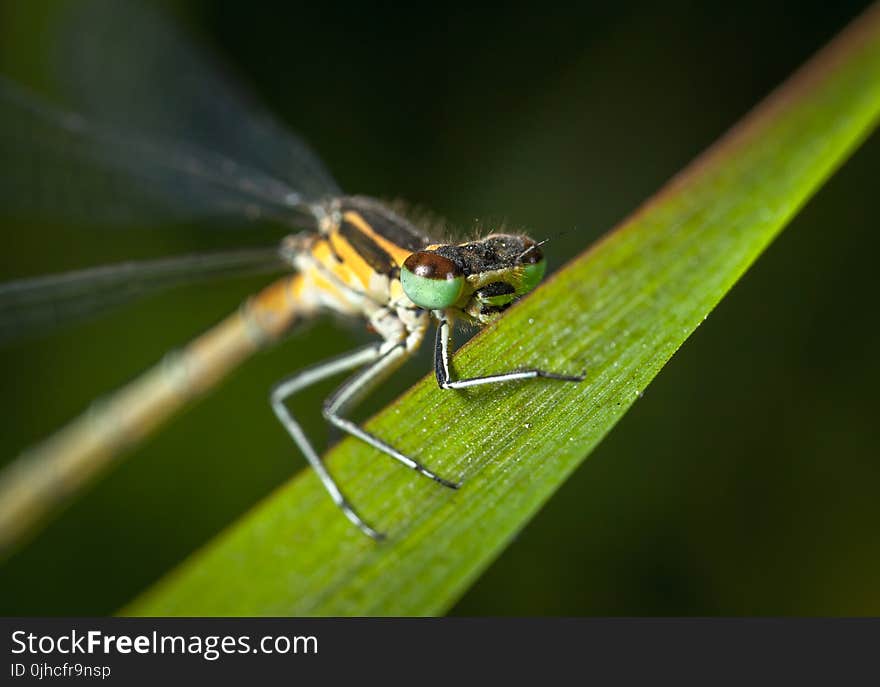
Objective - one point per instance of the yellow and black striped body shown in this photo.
(352, 264)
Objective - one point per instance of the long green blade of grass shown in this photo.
(619, 311)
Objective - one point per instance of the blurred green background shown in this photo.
(746, 479)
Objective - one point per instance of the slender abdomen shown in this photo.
(44, 476)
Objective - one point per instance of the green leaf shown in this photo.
(618, 311)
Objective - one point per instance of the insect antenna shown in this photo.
(528, 250)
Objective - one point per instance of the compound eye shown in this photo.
(431, 281)
(532, 275)
(534, 266)
(532, 254)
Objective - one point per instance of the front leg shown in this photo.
(441, 365)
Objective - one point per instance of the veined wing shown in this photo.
(125, 64)
(59, 165)
(151, 131)
(30, 305)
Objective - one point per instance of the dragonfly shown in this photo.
(182, 141)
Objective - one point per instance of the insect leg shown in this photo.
(441, 366)
(359, 386)
(285, 389)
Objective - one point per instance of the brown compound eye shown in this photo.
(431, 281)
(432, 266)
(532, 254)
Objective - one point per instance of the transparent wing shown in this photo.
(57, 164)
(151, 131)
(28, 306)
(127, 65)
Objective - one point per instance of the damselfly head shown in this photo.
(478, 279)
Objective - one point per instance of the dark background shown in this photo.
(745, 481)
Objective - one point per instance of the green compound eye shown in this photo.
(532, 276)
(431, 281)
